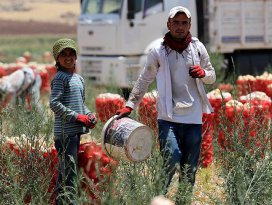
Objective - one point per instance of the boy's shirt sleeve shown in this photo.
(87, 111)
(57, 91)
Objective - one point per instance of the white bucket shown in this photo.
(127, 139)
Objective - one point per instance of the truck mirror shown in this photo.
(131, 10)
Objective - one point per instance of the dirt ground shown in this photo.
(9, 27)
(38, 16)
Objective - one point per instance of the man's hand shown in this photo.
(124, 112)
(197, 72)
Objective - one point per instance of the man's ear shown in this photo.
(168, 24)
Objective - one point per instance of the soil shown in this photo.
(11, 27)
(38, 16)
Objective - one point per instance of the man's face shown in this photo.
(179, 26)
(67, 58)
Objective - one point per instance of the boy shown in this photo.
(72, 117)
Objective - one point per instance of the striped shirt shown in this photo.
(67, 100)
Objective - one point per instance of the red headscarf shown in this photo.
(178, 46)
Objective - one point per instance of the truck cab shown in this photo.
(114, 37)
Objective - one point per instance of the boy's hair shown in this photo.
(61, 44)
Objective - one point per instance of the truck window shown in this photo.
(138, 6)
(102, 6)
(152, 7)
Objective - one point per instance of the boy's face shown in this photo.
(67, 59)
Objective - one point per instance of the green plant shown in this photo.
(24, 171)
(235, 177)
(245, 159)
(13, 47)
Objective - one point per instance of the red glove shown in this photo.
(197, 72)
(93, 119)
(124, 112)
(84, 119)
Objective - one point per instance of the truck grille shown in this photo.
(92, 70)
(88, 48)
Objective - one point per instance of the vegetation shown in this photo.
(237, 176)
(241, 172)
(12, 47)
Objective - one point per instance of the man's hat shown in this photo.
(61, 44)
(177, 9)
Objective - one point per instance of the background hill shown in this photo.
(38, 16)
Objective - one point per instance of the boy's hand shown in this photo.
(84, 119)
(93, 119)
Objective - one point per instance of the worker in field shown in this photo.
(21, 87)
(28, 56)
(181, 66)
(72, 117)
(47, 57)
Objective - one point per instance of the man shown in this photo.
(180, 65)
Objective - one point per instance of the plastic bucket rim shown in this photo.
(104, 131)
(127, 155)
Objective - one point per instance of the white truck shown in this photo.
(114, 36)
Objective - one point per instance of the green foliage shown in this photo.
(13, 47)
(23, 173)
(217, 61)
(25, 176)
(247, 175)
(245, 169)
(140, 182)
(245, 159)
